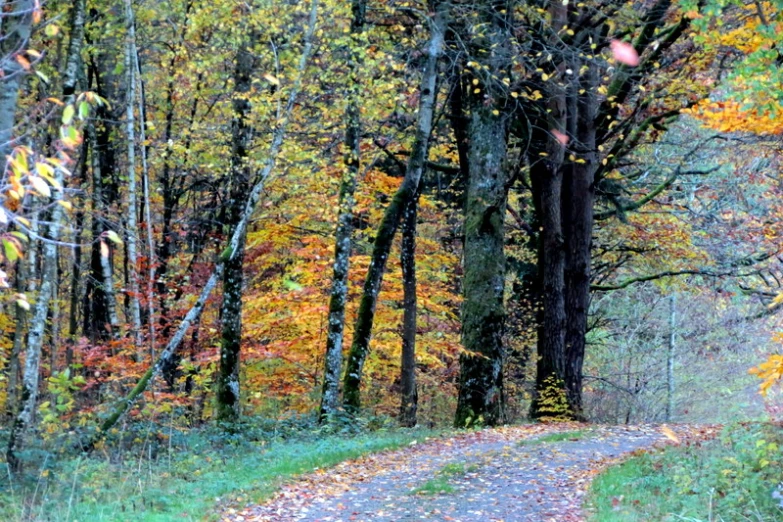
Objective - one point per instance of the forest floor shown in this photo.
(523, 473)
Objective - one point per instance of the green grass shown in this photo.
(733, 478)
(440, 484)
(557, 437)
(189, 486)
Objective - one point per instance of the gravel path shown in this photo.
(491, 475)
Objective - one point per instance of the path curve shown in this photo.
(490, 475)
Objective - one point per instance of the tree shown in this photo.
(383, 240)
(342, 249)
(481, 396)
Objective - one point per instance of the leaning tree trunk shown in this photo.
(577, 205)
(15, 24)
(391, 219)
(481, 396)
(227, 391)
(408, 394)
(342, 250)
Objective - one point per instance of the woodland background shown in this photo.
(149, 144)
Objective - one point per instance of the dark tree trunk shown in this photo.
(330, 397)
(228, 404)
(409, 395)
(391, 219)
(578, 198)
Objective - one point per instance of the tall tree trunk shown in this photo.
(546, 177)
(15, 25)
(481, 395)
(577, 208)
(130, 122)
(35, 336)
(26, 281)
(408, 394)
(234, 246)
(227, 391)
(342, 250)
(391, 218)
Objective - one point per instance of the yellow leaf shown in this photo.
(669, 434)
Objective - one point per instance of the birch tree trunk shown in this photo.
(391, 218)
(130, 122)
(35, 336)
(49, 266)
(330, 396)
(27, 281)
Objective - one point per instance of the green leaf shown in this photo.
(68, 113)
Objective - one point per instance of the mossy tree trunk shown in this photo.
(227, 390)
(330, 396)
(481, 395)
(391, 218)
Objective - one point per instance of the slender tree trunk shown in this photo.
(481, 396)
(26, 281)
(391, 219)
(577, 207)
(35, 336)
(16, 25)
(227, 391)
(409, 395)
(130, 123)
(233, 249)
(330, 397)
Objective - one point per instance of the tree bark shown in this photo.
(49, 265)
(130, 122)
(481, 396)
(330, 396)
(546, 177)
(35, 336)
(227, 391)
(391, 219)
(577, 205)
(409, 394)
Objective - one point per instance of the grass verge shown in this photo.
(557, 437)
(184, 486)
(440, 484)
(736, 477)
